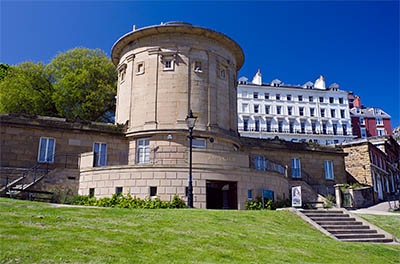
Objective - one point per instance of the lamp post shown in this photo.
(190, 122)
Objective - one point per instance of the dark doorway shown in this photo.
(221, 195)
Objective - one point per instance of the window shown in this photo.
(379, 122)
(311, 99)
(324, 128)
(278, 110)
(335, 141)
(341, 100)
(278, 97)
(143, 151)
(280, 126)
(257, 125)
(268, 125)
(153, 191)
(333, 112)
(344, 127)
(259, 162)
(329, 170)
(122, 72)
(46, 150)
(322, 112)
(255, 95)
(334, 126)
(363, 133)
(140, 68)
(249, 194)
(380, 131)
(198, 143)
(267, 109)
(362, 120)
(301, 111)
(291, 127)
(256, 108)
(296, 168)
(245, 124)
(289, 110)
(197, 66)
(312, 112)
(313, 127)
(266, 95)
(245, 108)
(300, 98)
(91, 192)
(222, 73)
(331, 100)
(168, 64)
(100, 154)
(118, 190)
(303, 126)
(289, 97)
(321, 99)
(342, 113)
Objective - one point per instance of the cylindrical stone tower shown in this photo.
(168, 69)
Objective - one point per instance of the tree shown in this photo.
(4, 69)
(85, 83)
(25, 89)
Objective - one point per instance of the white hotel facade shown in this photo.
(294, 113)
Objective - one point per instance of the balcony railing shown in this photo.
(287, 131)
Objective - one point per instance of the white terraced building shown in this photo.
(295, 113)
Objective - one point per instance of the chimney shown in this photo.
(134, 27)
(357, 102)
(257, 78)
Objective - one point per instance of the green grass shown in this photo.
(388, 223)
(40, 233)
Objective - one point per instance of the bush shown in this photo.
(121, 201)
(268, 204)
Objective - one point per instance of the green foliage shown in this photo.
(121, 201)
(78, 84)
(4, 70)
(26, 89)
(85, 83)
(268, 204)
(330, 201)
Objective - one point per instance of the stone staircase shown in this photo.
(343, 226)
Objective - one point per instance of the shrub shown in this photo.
(257, 204)
(121, 201)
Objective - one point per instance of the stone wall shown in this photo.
(358, 163)
(20, 137)
(137, 180)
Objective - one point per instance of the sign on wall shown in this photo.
(296, 196)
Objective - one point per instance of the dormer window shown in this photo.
(379, 122)
(197, 66)
(168, 64)
(222, 73)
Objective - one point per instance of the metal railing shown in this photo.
(40, 170)
(286, 131)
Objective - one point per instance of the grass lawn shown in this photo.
(33, 232)
(389, 223)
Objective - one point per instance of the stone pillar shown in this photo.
(338, 195)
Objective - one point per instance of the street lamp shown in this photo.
(190, 122)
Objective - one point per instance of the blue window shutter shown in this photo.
(50, 148)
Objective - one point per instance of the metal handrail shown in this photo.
(43, 166)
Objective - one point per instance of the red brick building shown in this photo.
(368, 121)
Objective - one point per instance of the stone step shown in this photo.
(321, 211)
(369, 240)
(326, 215)
(325, 223)
(346, 227)
(351, 231)
(357, 236)
(328, 218)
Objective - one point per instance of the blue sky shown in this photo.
(355, 44)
